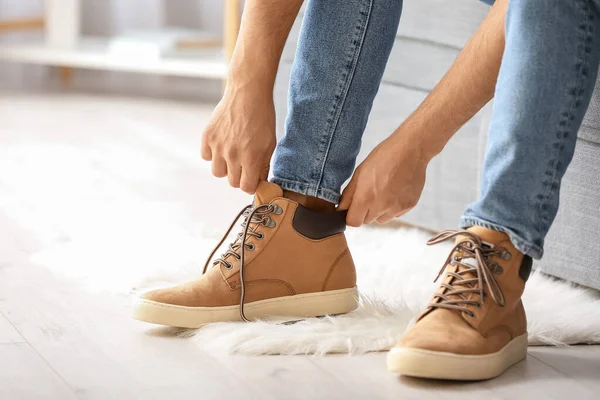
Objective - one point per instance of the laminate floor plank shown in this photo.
(24, 375)
(289, 377)
(8, 334)
(580, 363)
(95, 346)
(530, 377)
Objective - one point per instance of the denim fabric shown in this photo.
(342, 51)
(547, 77)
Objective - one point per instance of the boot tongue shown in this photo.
(265, 192)
(467, 265)
(487, 236)
(472, 262)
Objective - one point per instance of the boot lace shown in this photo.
(457, 290)
(253, 218)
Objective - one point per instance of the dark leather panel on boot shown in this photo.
(318, 225)
(525, 268)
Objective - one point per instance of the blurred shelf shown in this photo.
(93, 53)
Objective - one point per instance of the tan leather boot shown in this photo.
(288, 261)
(475, 326)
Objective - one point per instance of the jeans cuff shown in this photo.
(308, 189)
(521, 244)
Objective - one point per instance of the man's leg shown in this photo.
(343, 48)
(545, 83)
(475, 327)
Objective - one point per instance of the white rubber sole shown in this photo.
(438, 365)
(291, 307)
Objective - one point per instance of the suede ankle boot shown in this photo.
(288, 261)
(475, 326)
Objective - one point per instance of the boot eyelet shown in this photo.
(471, 314)
(498, 270)
(276, 209)
(250, 246)
(506, 255)
(260, 236)
(478, 306)
(269, 223)
(228, 266)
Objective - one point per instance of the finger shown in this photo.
(264, 172)
(347, 196)
(356, 216)
(372, 215)
(249, 180)
(357, 213)
(234, 173)
(219, 167)
(385, 218)
(205, 151)
(253, 173)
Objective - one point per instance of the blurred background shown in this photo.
(102, 106)
(150, 37)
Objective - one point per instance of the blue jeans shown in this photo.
(547, 76)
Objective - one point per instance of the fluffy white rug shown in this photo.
(393, 294)
(114, 205)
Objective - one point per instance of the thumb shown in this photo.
(205, 150)
(264, 172)
(347, 196)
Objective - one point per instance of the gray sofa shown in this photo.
(572, 248)
(431, 34)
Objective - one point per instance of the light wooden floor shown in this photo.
(59, 340)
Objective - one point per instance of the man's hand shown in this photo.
(387, 183)
(390, 181)
(240, 138)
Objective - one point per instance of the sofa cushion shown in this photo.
(572, 248)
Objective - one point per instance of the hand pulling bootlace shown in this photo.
(252, 216)
(470, 247)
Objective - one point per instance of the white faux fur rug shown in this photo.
(393, 294)
(114, 202)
